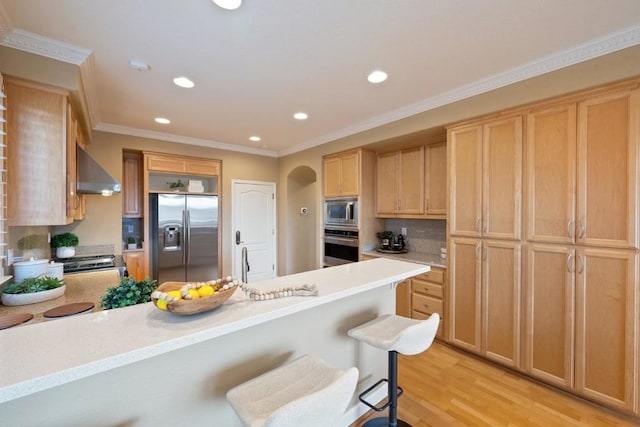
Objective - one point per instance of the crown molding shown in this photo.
(598, 47)
(44, 46)
(142, 133)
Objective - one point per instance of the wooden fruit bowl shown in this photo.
(193, 306)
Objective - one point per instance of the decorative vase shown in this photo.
(132, 246)
(65, 252)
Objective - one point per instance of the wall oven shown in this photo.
(340, 246)
(341, 212)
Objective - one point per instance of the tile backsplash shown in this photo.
(423, 235)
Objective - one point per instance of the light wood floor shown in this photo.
(445, 387)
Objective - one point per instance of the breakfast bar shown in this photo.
(140, 366)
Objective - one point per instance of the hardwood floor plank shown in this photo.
(447, 387)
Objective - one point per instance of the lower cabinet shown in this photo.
(484, 293)
(427, 296)
(135, 264)
(403, 298)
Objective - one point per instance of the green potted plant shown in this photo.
(128, 292)
(32, 290)
(176, 185)
(65, 244)
(131, 243)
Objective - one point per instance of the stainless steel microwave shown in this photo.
(341, 212)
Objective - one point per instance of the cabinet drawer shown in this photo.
(421, 316)
(426, 304)
(427, 288)
(436, 275)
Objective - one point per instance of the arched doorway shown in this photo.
(302, 212)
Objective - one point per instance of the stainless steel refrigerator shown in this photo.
(184, 237)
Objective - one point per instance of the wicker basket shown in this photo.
(193, 306)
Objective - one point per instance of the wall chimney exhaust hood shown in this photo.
(92, 178)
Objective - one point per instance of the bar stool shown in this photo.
(396, 334)
(305, 392)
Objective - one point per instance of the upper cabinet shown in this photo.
(42, 134)
(182, 165)
(486, 179)
(582, 171)
(400, 182)
(412, 183)
(132, 185)
(342, 174)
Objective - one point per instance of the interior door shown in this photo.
(254, 228)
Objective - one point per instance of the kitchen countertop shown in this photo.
(109, 339)
(433, 260)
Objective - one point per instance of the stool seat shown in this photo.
(305, 392)
(397, 333)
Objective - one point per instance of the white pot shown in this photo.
(132, 246)
(31, 268)
(65, 252)
(32, 298)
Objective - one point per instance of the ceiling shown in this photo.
(255, 66)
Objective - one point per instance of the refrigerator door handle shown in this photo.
(184, 238)
(187, 225)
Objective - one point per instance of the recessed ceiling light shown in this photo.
(377, 76)
(300, 116)
(162, 120)
(184, 82)
(228, 4)
(254, 138)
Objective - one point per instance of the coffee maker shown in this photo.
(398, 243)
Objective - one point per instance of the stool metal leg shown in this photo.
(392, 393)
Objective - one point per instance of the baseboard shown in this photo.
(359, 409)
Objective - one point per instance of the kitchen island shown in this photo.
(139, 366)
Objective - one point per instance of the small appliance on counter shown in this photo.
(390, 244)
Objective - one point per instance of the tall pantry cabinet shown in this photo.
(582, 258)
(552, 290)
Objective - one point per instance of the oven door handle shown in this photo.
(341, 240)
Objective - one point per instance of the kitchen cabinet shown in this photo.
(134, 260)
(403, 298)
(182, 165)
(581, 171)
(42, 135)
(485, 298)
(427, 296)
(342, 174)
(485, 178)
(132, 185)
(400, 182)
(436, 179)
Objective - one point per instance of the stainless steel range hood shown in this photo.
(92, 178)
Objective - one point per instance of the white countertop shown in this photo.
(432, 260)
(56, 352)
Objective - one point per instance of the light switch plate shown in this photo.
(404, 231)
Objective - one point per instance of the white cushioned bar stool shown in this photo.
(306, 392)
(396, 334)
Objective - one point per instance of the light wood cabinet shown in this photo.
(485, 298)
(427, 296)
(403, 298)
(182, 165)
(485, 179)
(400, 182)
(581, 171)
(436, 179)
(342, 174)
(42, 135)
(134, 260)
(132, 185)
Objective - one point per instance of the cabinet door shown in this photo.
(332, 176)
(606, 299)
(403, 298)
(131, 174)
(411, 181)
(607, 169)
(502, 178)
(349, 172)
(135, 264)
(160, 163)
(549, 314)
(72, 200)
(387, 183)
(464, 293)
(465, 180)
(436, 179)
(501, 278)
(202, 167)
(551, 174)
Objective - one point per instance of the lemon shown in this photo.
(175, 294)
(161, 304)
(194, 293)
(205, 291)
